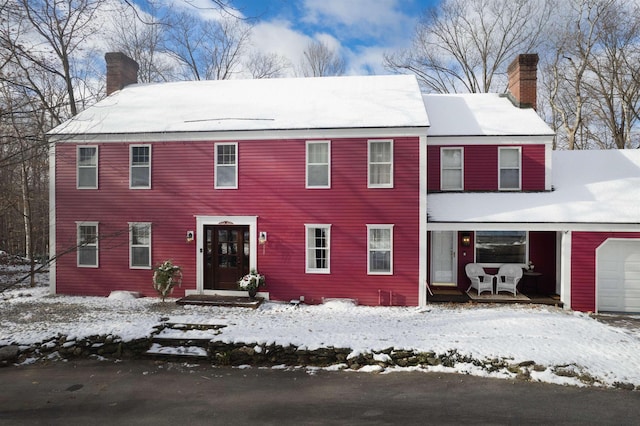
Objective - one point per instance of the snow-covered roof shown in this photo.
(393, 101)
(589, 187)
(481, 114)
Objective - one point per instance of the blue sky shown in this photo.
(361, 30)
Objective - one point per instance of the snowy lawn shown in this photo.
(547, 336)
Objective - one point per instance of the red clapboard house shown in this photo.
(313, 182)
(336, 187)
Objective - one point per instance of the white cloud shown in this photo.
(359, 18)
(278, 37)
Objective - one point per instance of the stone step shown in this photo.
(169, 333)
(187, 326)
(194, 352)
(178, 341)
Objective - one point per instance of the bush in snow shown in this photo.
(165, 277)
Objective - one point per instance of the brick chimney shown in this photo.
(121, 71)
(523, 79)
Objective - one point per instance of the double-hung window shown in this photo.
(318, 243)
(509, 164)
(318, 164)
(140, 167)
(451, 172)
(380, 249)
(87, 243)
(380, 164)
(499, 247)
(87, 162)
(139, 245)
(226, 166)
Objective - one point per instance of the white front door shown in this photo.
(443, 258)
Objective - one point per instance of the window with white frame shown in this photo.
(451, 171)
(318, 164)
(499, 247)
(140, 170)
(509, 168)
(87, 244)
(380, 164)
(87, 161)
(140, 245)
(318, 239)
(226, 166)
(380, 249)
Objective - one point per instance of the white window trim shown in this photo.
(442, 168)
(500, 168)
(391, 177)
(328, 163)
(131, 166)
(307, 269)
(379, 226)
(216, 165)
(78, 225)
(131, 225)
(78, 166)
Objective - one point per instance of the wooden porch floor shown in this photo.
(453, 295)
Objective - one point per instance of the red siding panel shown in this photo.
(481, 167)
(272, 187)
(533, 168)
(583, 266)
(433, 168)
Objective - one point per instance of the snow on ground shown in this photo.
(548, 336)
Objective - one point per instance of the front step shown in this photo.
(192, 352)
(179, 340)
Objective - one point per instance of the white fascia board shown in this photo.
(528, 226)
(52, 218)
(565, 269)
(422, 232)
(244, 135)
(491, 140)
(548, 169)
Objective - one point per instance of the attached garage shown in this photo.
(618, 276)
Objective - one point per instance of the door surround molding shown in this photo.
(201, 222)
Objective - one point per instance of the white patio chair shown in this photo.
(480, 280)
(508, 277)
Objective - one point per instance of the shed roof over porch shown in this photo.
(591, 189)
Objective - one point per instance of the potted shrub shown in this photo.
(165, 277)
(251, 282)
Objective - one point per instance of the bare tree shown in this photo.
(590, 77)
(463, 45)
(63, 25)
(320, 60)
(207, 49)
(269, 65)
(143, 41)
(41, 42)
(614, 90)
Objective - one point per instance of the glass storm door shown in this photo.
(443, 258)
(226, 256)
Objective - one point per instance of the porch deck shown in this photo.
(454, 295)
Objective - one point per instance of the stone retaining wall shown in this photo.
(236, 354)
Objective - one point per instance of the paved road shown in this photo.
(147, 392)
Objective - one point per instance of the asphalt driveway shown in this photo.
(150, 392)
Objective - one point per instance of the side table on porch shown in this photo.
(531, 279)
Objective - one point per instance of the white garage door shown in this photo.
(618, 276)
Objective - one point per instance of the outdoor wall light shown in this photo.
(466, 239)
(189, 236)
